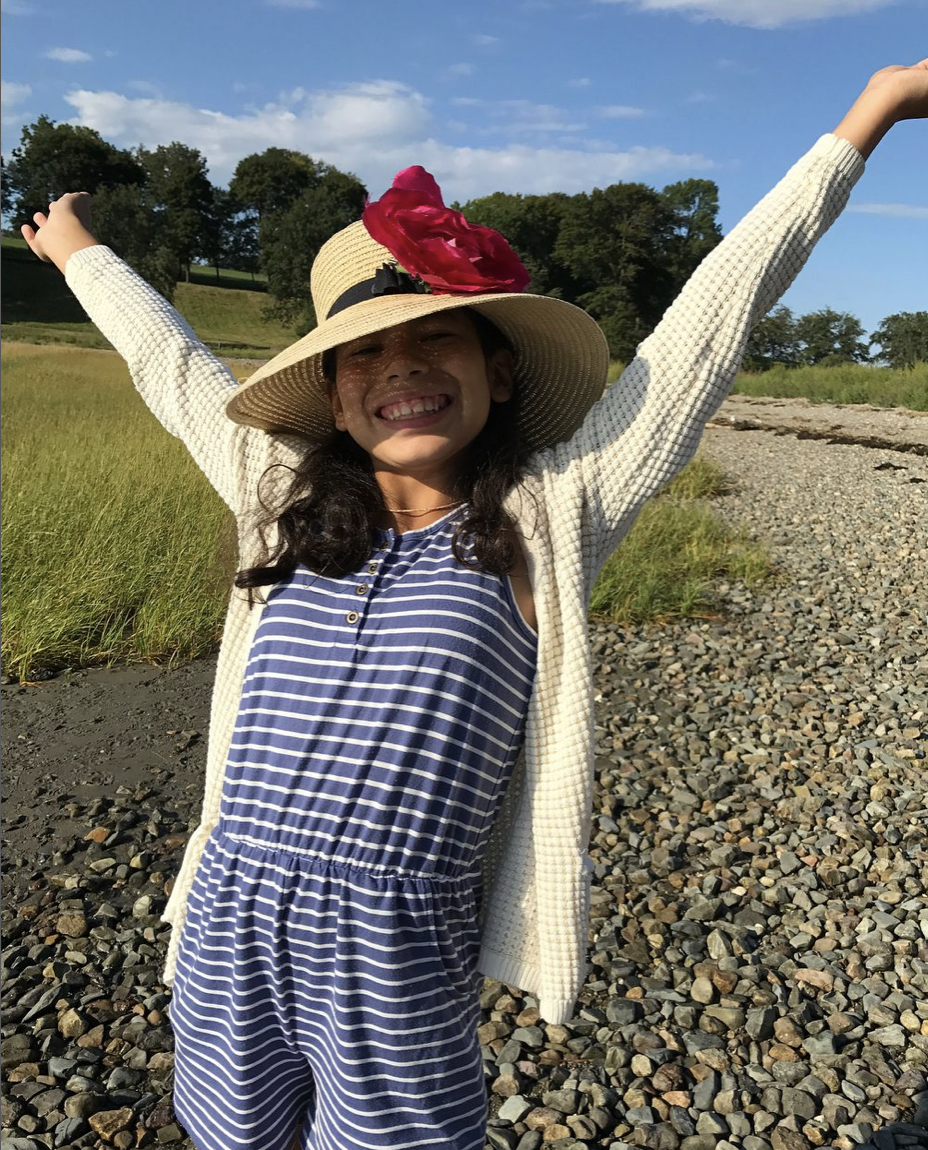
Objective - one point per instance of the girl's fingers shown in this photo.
(40, 218)
(29, 235)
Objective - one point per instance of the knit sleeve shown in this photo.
(648, 424)
(178, 377)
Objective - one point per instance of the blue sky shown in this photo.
(519, 96)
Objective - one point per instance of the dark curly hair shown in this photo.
(333, 502)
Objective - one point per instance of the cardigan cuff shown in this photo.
(507, 969)
(557, 1011)
(842, 153)
(88, 256)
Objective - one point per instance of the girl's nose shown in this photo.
(405, 359)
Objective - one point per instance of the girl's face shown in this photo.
(414, 396)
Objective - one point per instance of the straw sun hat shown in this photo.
(429, 259)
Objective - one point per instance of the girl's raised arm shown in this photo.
(648, 424)
(179, 378)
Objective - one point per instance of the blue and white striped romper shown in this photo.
(326, 975)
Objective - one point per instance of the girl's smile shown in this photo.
(415, 395)
(414, 411)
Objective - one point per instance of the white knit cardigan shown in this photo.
(581, 501)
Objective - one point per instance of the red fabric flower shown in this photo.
(437, 245)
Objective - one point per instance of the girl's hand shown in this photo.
(905, 88)
(63, 231)
(892, 94)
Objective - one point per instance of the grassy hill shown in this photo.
(38, 307)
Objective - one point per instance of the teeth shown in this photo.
(404, 410)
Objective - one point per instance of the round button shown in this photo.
(372, 567)
(361, 589)
(352, 617)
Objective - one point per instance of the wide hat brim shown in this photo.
(561, 363)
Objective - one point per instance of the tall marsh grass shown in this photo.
(849, 383)
(113, 542)
(115, 547)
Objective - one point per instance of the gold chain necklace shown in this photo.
(423, 510)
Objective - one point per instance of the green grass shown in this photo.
(103, 558)
(203, 274)
(115, 546)
(678, 546)
(38, 307)
(852, 383)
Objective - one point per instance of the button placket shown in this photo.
(373, 567)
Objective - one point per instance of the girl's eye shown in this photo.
(367, 349)
(433, 335)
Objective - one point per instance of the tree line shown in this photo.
(621, 252)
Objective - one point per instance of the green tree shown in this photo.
(178, 183)
(531, 224)
(242, 249)
(52, 159)
(772, 341)
(218, 243)
(903, 339)
(6, 194)
(694, 206)
(614, 243)
(290, 240)
(273, 180)
(831, 337)
(127, 219)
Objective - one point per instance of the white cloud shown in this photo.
(11, 93)
(16, 8)
(758, 13)
(461, 69)
(68, 55)
(467, 172)
(483, 41)
(700, 97)
(579, 82)
(374, 130)
(146, 87)
(618, 112)
(905, 211)
(517, 116)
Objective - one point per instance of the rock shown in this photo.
(72, 1024)
(514, 1108)
(759, 1023)
(566, 1101)
(702, 990)
(542, 1117)
(892, 1037)
(106, 1123)
(820, 979)
(14, 1050)
(798, 1102)
(708, 1123)
(530, 1036)
(82, 1105)
(784, 1139)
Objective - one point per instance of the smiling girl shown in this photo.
(399, 786)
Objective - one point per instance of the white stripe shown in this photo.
(376, 724)
(420, 821)
(406, 687)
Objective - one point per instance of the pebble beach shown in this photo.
(759, 932)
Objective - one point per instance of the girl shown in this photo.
(399, 784)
